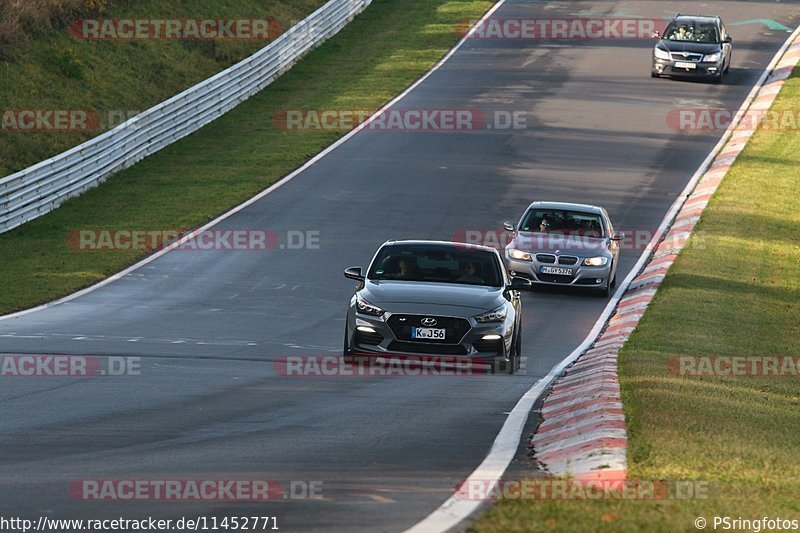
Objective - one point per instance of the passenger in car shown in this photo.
(683, 34)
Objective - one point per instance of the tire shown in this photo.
(503, 367)
(347, 354)
(654, 74)
(513, 363)
(719, 79)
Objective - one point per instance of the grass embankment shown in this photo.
(374, 58)
(739, 295)
(44, 67)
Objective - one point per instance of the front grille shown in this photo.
(555, 278)
(372, 339)
(546, 258)
(455, 328)
(423, 348)
(689, 57)
(567, 260)
(493, 346)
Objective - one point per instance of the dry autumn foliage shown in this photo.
(21, 18)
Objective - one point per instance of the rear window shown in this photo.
(578, 223)
(440, 264)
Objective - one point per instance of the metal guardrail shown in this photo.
(39, 189)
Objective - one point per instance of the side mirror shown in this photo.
(617, 236)
(656, 35)
(509, 225)
(354, 273)
(728, 39)
(518, 283)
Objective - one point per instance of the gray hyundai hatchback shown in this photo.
(436, 298)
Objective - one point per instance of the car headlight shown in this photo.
(367, 308)
(498, 315)
(661, 54)
(513, 253)
(712, 58)
(595, 261)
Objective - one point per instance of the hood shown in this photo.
(688, 46)
(579, 246)
(384, 292)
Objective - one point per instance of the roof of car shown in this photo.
(695, 18)
(566, 206)
(414, 242)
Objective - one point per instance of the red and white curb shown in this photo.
(583, 434)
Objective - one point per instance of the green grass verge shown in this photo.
(54, 70)
(374, 58)
(738, 294)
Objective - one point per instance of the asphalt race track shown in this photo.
(209, 325)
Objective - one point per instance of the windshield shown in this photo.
(441, 264)
(692, 31)
(564, 222)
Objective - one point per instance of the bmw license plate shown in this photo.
(436, 334)
(684, 64)
(559, 271)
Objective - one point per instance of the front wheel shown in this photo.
(512, 365)
(347, 354)
(518, 350)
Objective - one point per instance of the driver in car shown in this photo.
(409, 269)
(467, 274)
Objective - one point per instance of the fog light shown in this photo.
(598, 280)
(712, 69)
(365, 329)
(491, 337)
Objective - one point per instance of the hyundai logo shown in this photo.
(428, 321)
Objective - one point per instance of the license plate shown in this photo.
(556, 270)
(436, 334)
(684, 64)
